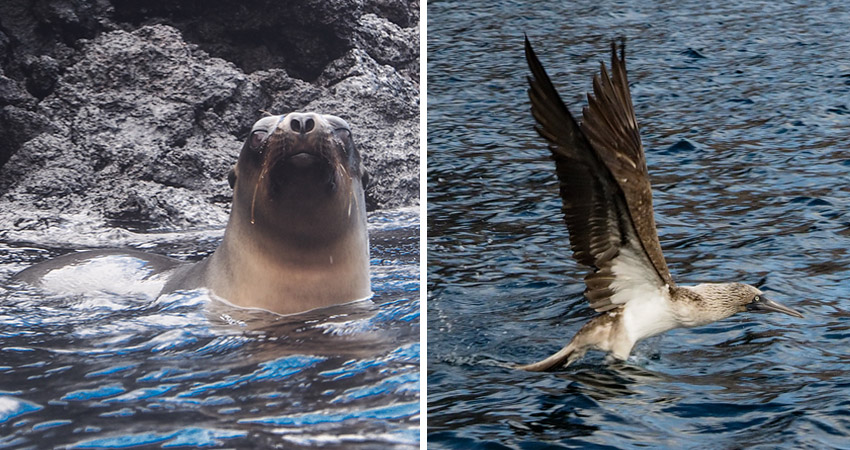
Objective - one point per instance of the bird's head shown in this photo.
(753, 300)
(745, 298)
(721, 300)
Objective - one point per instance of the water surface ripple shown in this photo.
(108, 370)
(744, 110)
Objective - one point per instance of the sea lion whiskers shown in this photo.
(263, 172)
(270, 160)
(340, 167)
(344, 171)
(350, 197)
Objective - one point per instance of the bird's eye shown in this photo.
(257, 138)
(757, 298)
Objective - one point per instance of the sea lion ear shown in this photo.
(231, 177)
(364, 176)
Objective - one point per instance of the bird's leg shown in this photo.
(595, 334)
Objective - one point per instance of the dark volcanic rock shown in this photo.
(148, 140)
(299, 36)
(115, 113)
(374, 97)
(387, 43)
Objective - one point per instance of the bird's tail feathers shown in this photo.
(563, 358)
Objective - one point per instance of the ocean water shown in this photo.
(110, 369)
(744, 109)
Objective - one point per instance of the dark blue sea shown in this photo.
(744, 110)
(109, 369)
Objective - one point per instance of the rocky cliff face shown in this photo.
(130, 114)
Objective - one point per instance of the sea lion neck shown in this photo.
(286, 251)
(285, 276)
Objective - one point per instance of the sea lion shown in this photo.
(296, 239)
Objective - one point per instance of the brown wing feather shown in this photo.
(611, 127)
(594, 206)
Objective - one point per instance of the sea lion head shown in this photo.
(299, 178)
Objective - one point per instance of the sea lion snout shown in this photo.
(301, 123)
(303, 139)
(305, 124)
(308, 149)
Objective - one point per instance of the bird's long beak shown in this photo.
(766, 305)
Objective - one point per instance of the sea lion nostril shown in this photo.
(295, 125)
(308, 125)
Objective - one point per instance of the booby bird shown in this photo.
(607, 206)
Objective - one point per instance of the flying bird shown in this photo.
(607, 205)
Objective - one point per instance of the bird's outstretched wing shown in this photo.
(604, 184)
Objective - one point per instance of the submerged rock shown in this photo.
(118, 115)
